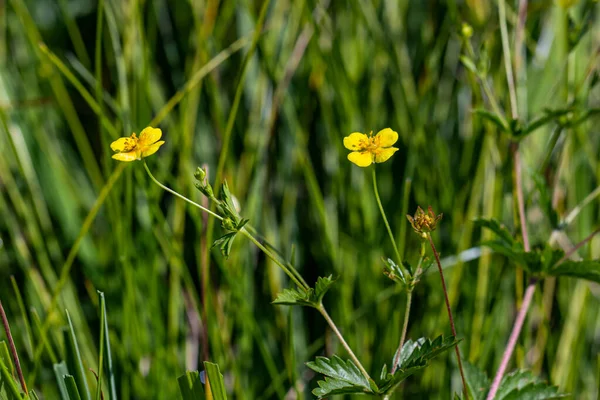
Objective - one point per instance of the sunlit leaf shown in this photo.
(341, 377)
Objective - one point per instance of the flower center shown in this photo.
(130, 143)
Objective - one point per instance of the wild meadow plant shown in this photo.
(391, 352)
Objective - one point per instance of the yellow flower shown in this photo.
(370, 149)
(135, 148)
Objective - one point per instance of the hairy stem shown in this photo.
(341, 338)
(457, 350)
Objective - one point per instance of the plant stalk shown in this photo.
(404, 330)
(387, 224)
(457, 350)
(512, 341)
(13, 349)
(325, 315)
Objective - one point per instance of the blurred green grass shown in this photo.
(320, 71)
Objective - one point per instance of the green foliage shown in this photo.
(541, 262)
(313, 297)
(232, 221)
(343, 377)
(77, 382)
(524, 385)
(277, 138)
(193, 388)
(9, 388)
(514, 386)
(477, 381)
(586, 269)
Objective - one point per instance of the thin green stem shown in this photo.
(487, 89)
(404, 330)
(439, 264)
(291, 272)
(179, 195)
(341, 338)
(387, 224)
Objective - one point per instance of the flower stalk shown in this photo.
(452, 327)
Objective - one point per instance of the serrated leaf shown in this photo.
(215, 381)
(587, 269)
(414, 356)
(495, 119)
(322, 286)
(295, 297)
(340, 375)
(524, 385)
(330, 387)
(478, 383)
(310, 297)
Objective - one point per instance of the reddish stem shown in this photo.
(456, 349)
(512, 341)
(13, 349)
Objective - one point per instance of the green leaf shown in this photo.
(478, 383)
(215, 380)
(523, 385)
(295, 297)
(71, 387)
(549, 115)
(6, 380)
(587, 269)
(190, 386)
(494, 118)
(310, 298)
(414, 356)
(74, 362)
(322, 286)
(112, 386)
(60, 370)
(224, 243)
(340, 377)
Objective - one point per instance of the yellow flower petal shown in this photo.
(361, 158)
(131, 156)
(149, 136)
(386, 137)
(123, 144)
(356, 141)
(384, 154)
(152, 149)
